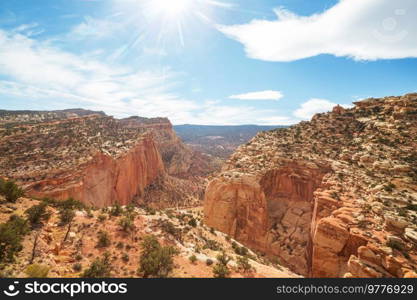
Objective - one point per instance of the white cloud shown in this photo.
(94, 28)
(363, 30)
(263, 95)
(214, 113)
(313, 106)
(35, 72)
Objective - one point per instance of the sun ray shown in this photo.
(170, 22)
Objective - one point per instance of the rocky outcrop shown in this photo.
(85, 155)
(104, 180)
(97, 159)
(271, 213)
(334, 197)
(179, 160)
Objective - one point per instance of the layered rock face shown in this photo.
(94, 159)
(179, 160)
(333, 197)
(270, 212)
(106, 180)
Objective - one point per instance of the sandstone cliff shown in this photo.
(179, 160)
(104, 180)
(94, 159)
(333, 197)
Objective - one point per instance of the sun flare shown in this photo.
(171, 8)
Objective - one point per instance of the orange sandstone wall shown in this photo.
(104, 180)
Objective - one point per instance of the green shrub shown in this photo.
(102, 218)
(77, 267)
(11, 236)
(70, 203)
(37, 271)
(10, 191)
(2, 183)
(126, 224)
(192, 222)
(103, 239)
(412, 207)
(155, 260)
(116, 210)
(193, 259)
(168, 227)
(99, 268)
(239, 250)
(212, 245)
(66, 215)
(37, 213)
(220, 269)
(243, 264)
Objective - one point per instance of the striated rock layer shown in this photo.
(333, 197)
(179, 160)
(97, 159)
(91, 158)
(104, 180)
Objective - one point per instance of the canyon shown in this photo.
(333, 197)
(99, 160)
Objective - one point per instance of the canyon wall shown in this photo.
(271, 213)
(100, 160)
(180, 160)
(333, 197)
(104, 180)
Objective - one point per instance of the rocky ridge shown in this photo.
(95, 158)
(333, 197)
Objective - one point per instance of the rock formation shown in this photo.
(333, 197)
(179, 160)
(96, 159)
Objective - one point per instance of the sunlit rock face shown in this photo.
(271, 213)
(104, 180)
(333, 197)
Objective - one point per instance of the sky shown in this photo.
(211, 62)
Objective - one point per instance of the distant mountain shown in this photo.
(219, 141)
(36, 116)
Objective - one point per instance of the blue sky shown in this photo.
(205, 61)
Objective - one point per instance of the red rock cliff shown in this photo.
(105, 180)
(332, 197)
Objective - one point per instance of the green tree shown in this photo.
(220, 269)
(103, 239)
(192, 222)
(116, 210)
(11, 236)
(193, 259)
(156, 260)
(99, 268)
(37, 213)
(126, 223)
(66, 215)
(243, 264)
(70, 203)
(10, 191)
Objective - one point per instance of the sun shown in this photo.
(171, 8)
(166, 23)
